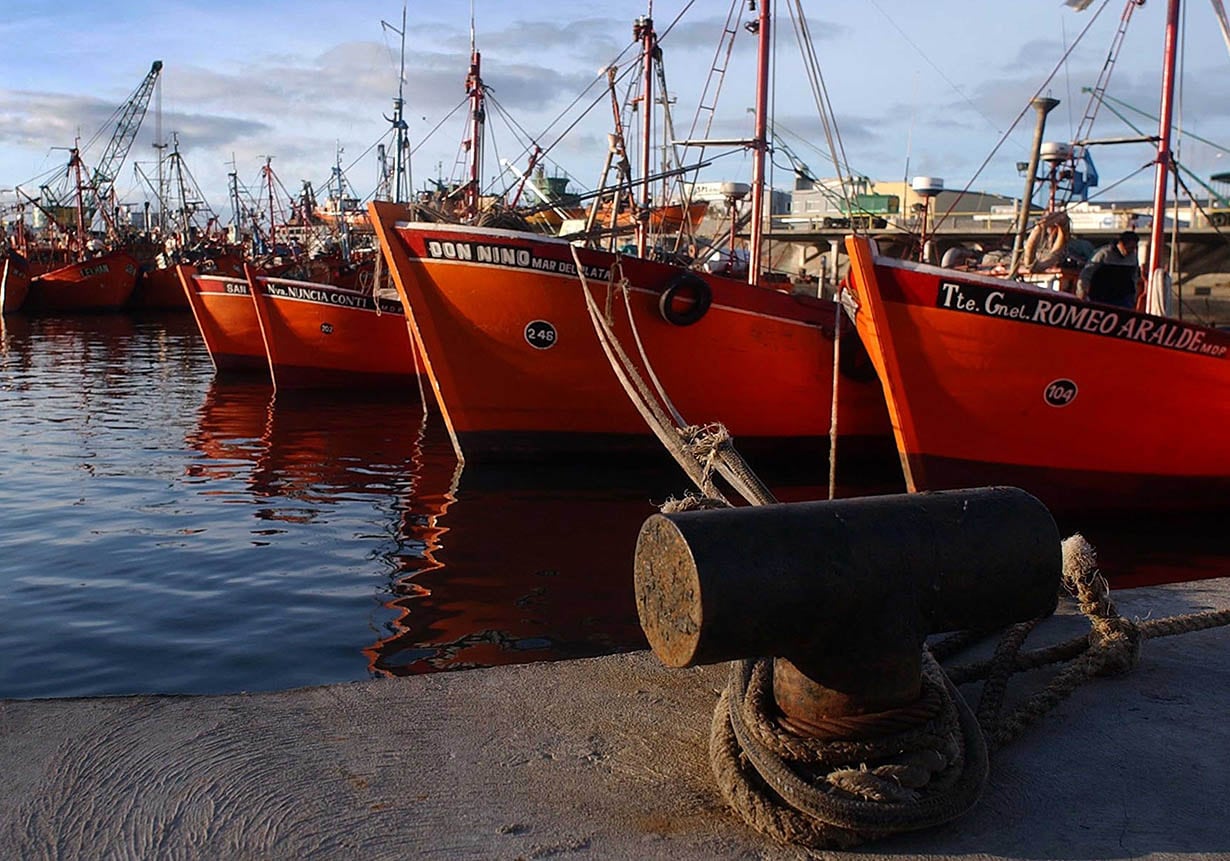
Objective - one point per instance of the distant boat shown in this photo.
(220, 296)
(159, 288)
(101, 283)
(312, 323)
(14, 282)
(97, 276)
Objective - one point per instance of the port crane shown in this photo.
(127, 123)
(97, 190)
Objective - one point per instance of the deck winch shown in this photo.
(825, 607)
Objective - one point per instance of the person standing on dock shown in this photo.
(1112, 275)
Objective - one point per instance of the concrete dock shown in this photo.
(603, 758)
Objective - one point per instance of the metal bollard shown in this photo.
(843, 593)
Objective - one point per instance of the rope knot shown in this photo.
(1114, 646)
(692, 502)
(1114, 642)
(895, 779)
(704, 440)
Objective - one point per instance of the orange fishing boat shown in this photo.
(327, 334)
(514, 355)
(510, 350)
(1088, 406)
(101, 283)
(224, 311)
(14, 282)
(159, 288)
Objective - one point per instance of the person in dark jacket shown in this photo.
(1112, 275)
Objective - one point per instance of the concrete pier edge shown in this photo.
(600, 758)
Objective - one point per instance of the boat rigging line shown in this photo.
(1024, 110)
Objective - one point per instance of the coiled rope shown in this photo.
(869, 776)
(836, 792)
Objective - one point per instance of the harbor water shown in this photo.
(165, 531)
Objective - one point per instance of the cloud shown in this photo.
(591, 39)
(36, 119)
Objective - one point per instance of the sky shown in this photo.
(918, 87)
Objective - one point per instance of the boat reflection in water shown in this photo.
(476, 568)
(316, 449)
(384, 557)
(516, 564)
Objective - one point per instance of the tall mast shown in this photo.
(182, 188)
(75, 161)
(760, 143)
(401, 160)
(232, 179)
(474, 87)
(1043, 105)
(1163, 140)
(643, 28)
(343, 223)
(273, 228)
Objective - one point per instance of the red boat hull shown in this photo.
(101, 283)
(224, 312)
(320, 335)
(160, 288)
(14, 283)
(1089, 407)
(512, 354)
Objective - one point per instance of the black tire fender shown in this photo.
(690, 286)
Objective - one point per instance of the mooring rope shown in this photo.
(868, 776)
(837, 317)
(1111, 647)
(701, 450)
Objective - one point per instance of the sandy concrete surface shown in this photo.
(603, 758)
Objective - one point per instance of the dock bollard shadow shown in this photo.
(827, 606)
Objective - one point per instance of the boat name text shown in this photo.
(327, 297)
(97, 269)
(504, 255)
(1079, 317)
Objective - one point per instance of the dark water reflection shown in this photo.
(165, 531)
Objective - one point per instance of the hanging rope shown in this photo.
(837, 312)
(701, 450)
(379, 276)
